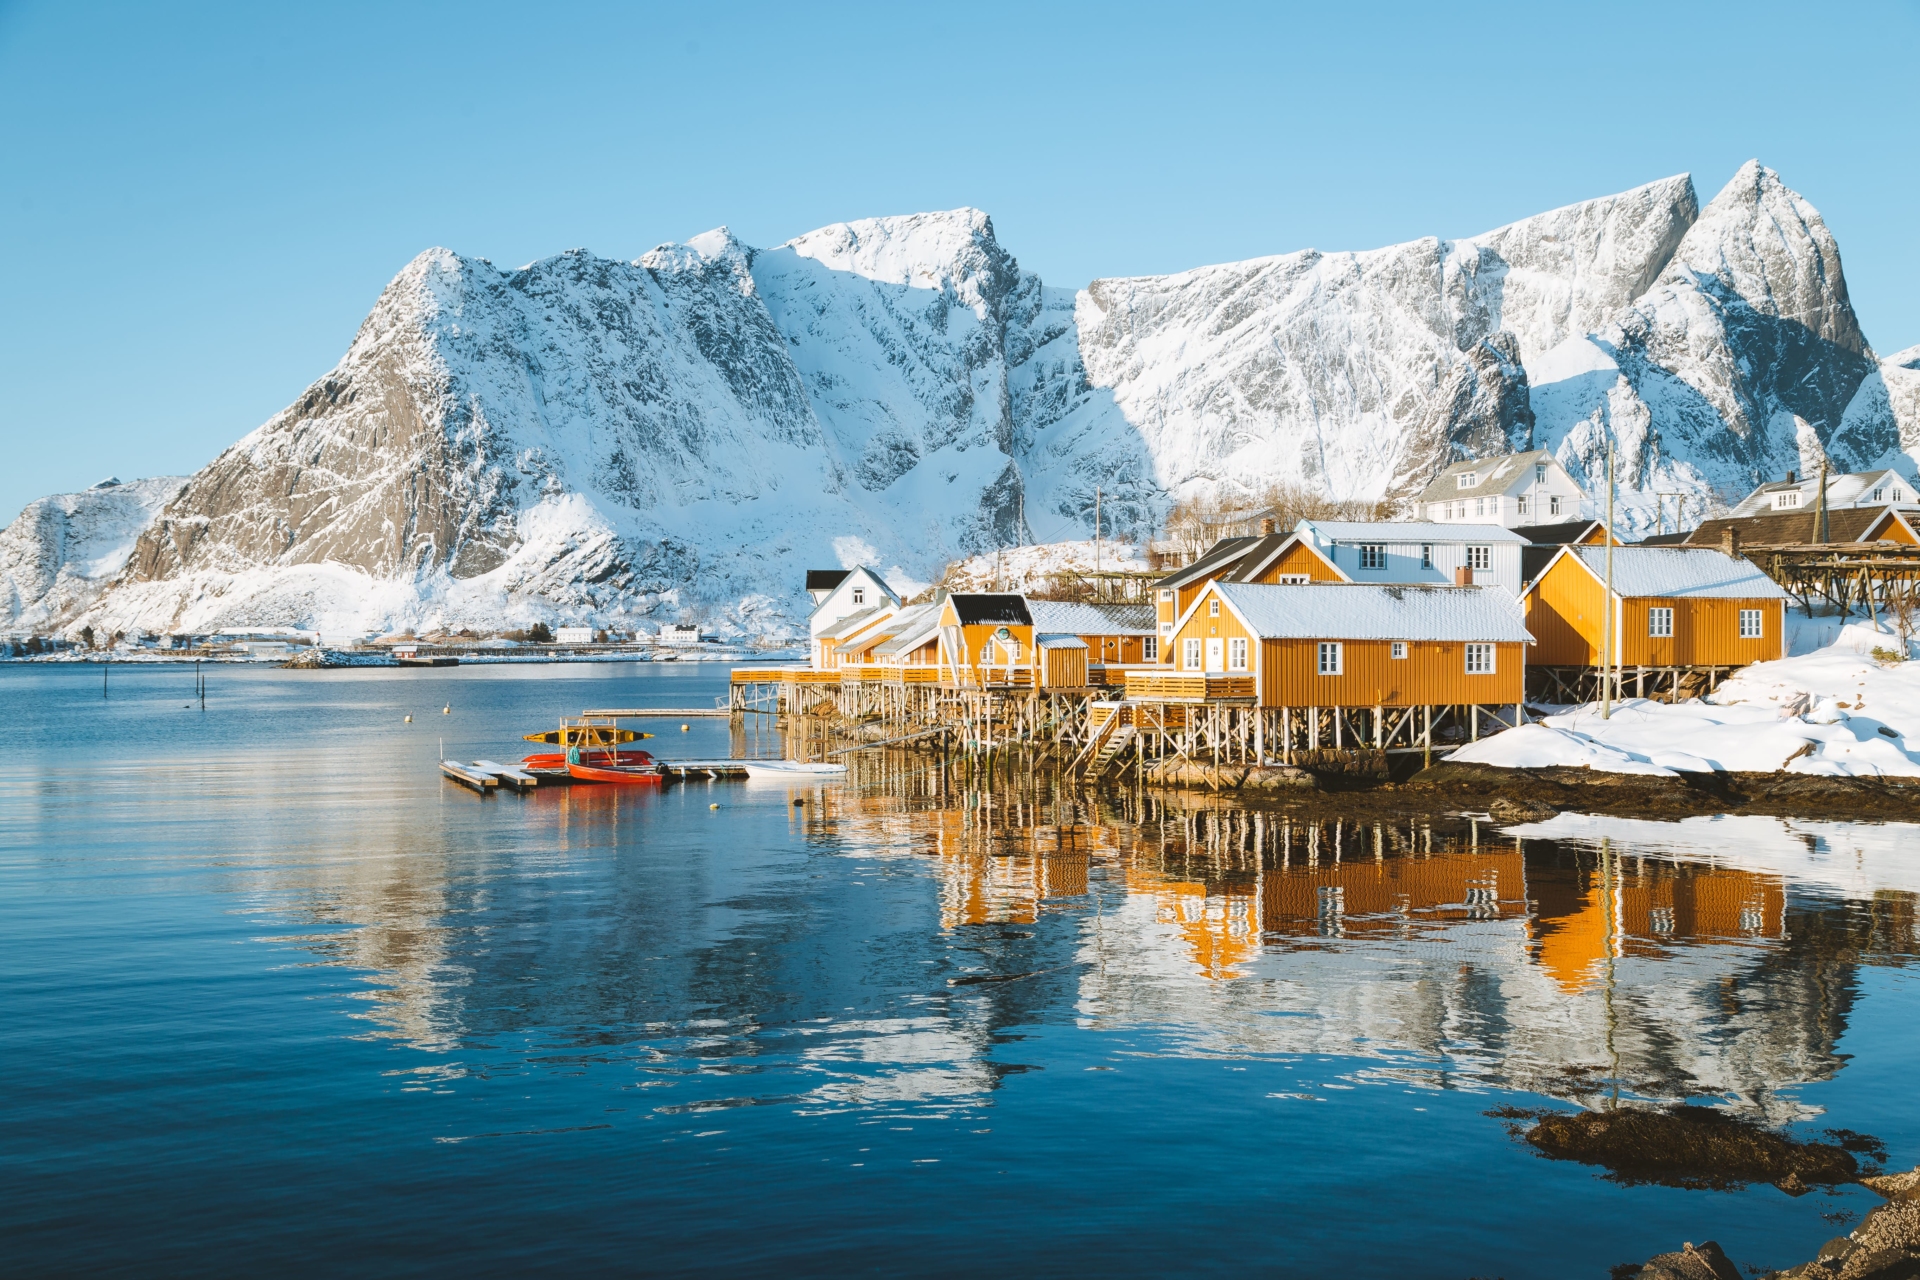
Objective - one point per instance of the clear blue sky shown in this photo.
(201, 201)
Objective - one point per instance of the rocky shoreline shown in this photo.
(1885, 1246)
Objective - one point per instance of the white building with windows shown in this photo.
(836, 601)
(1853, 489)
(1520, 488)
(1420, 553)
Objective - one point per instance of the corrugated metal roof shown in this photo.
(1092, 619)
(1344, 611)
(991, 609)
(913, 628)
(1799, 527)
(1407, 531)
(1680, 572)
(1058, 640)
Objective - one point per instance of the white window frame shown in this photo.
(1467, 480)
(1190, 654)
(1236, 653)
(1213, 607)
(1660, 622)
(1149, 648)
(1553, 504)
(1373, 555)
(1790, 498)
(859, 595)
(1399, 649)
(1479, 557)
(1539, 473)
(1481, 659)
(1520, 505)
(1294, 579)
(1876, 495)
(1332, 658)
(1753, 624)
(1479, 506)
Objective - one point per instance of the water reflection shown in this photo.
(880, 946)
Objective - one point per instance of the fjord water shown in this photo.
(275, 998)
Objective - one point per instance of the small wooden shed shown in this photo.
(1672, 608)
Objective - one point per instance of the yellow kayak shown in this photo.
(587, 736)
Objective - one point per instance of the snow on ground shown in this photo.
(1837, 711)
(1018, 568)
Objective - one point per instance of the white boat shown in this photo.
(791, 769)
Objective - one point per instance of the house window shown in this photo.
(1520, 505)
(1791, 498)
(1479, 557)
(1166, 628)
(1372, 556)
(1876, 495)
(1467, 480)
(1213, 608)
(1750, 624)
(1399, 648)
(859, 595)
(1166, 595)
(1295, 579)
(1149, 648)
(1479, 659)
(1660, 623)
(1539, 473)
(1329, 657)
(1479, 506)
(1190, 655)
(1426, 555)
(1236, 653)
(1896, 494)
(1553, 504)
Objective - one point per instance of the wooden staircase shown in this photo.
(1110, 748)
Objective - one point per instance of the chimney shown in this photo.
(1266, 526)
(1730, 541)
(1790, 477)
(1463, 577)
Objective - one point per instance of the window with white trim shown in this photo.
(1520, 505)
(1751, 627)
(1539, 473)
(1426, 555)
(859, 595)
(1553, 504)
(1236, 653)
(1876, 495)
(1479, 557)
(1372, 556)
(1660, 623)
(1467, 480)
(1166, 628)
(1330, 657)
(1213, 608)
(1479, 659)
(1399, 648)
(1295, 579)
(1149, 648)
(1479, 506)
(1790, 498)
(1166, 594)
(1190, 655)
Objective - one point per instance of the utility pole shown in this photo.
(1096, 528)
(1820, 523)
(1607, 644)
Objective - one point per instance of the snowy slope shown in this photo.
(61, 552)
(685, 433)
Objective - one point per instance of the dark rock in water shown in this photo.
(1518, 811)
(1690, 1147)
(1896, 1186)
(1691, 1262)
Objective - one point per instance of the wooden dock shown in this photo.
(690, 770)
(668, 713)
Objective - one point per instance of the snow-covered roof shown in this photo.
(1405, 531)
(912, 628)
(1058, 640)
(1092, 619)
(1690, 572)
(854, 623)
(1345, 611)
(1220, 555)
(1488, 475)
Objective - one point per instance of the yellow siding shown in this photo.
(1564, 612)
(1063, 668)
(1889, 528)
(1433, 673)
(1301, 559)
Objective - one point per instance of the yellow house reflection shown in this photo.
(1637, 908)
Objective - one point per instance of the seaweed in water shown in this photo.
(1693, 1148)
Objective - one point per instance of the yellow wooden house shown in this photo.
(1671, 607)
(1274, 559)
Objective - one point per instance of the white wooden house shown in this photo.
(1420, 553)
(1887, 488)
(1512, 490)
(859, 590)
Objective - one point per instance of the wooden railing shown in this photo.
(1148, 686)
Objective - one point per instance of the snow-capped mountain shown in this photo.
(685, 433)
(62, 551)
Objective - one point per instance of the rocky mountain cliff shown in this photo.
(63, 551)
(685, 433)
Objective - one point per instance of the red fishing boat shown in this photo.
(628, 775)
(592, 753)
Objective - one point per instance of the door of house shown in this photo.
(1216, 655)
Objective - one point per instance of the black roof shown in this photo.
(826, 579)
(1221, 554)
(1663, 540)
(1555, 535)
(1258, 558)
(976, 609)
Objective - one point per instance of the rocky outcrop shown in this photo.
(1885, 1246)
(61, 552)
